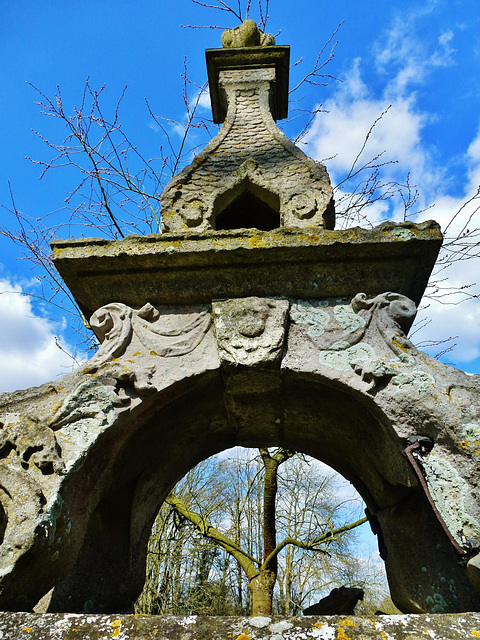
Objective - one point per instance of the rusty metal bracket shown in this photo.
(408, 453)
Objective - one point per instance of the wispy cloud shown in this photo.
(403, 56)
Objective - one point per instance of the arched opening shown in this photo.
(247, 206)
(219, 506)
(171, 432)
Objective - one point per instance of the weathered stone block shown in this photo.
(405, 627)
(292, 263)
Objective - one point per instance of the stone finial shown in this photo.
(250, 175)
(247, 35)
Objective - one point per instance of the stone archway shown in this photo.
(214, 338)
(268, 372)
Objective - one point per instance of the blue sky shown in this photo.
(420, 57)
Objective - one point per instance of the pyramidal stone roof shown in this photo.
(250, 161)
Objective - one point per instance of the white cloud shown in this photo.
(405, 57)
(340, 134)
(462, 324)
(402, 60)
(28, 352)
(461, 279)
(204, 99)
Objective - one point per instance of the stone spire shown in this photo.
(250, 175)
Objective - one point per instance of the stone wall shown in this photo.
(24, 626)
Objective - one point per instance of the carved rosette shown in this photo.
(250, 331)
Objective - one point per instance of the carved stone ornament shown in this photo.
(348, 387)
(250, 331)
(365, 337)
(250, 157)
(302, 206)
(247, 35)
(148, 335)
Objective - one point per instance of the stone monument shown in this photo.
(248, 321)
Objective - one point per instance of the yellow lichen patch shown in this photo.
(116, 624)
(256, 242)
(153, 353)
(243, 636)
(400, 345)
(27, 629)
(348, 623)
(341, 635)
(317, 625)
(137, 353)
(475, 634)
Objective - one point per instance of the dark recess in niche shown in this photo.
(248, 212)
(3, 523)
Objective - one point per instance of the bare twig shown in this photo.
(313, 76)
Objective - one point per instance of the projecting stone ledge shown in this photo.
(25, 626)
(192, 268)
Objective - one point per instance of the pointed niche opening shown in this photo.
(247, 206)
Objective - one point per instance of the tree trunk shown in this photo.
(262, 575)
(268, 571)
(270, 488)
(261, 588)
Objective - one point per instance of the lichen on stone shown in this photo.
(451, 492)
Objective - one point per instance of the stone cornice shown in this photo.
(286, 262)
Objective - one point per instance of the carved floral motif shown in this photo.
(250, 330)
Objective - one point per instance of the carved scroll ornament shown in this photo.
(147, 334)
(366, 337)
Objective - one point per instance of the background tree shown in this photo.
(251, 535)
